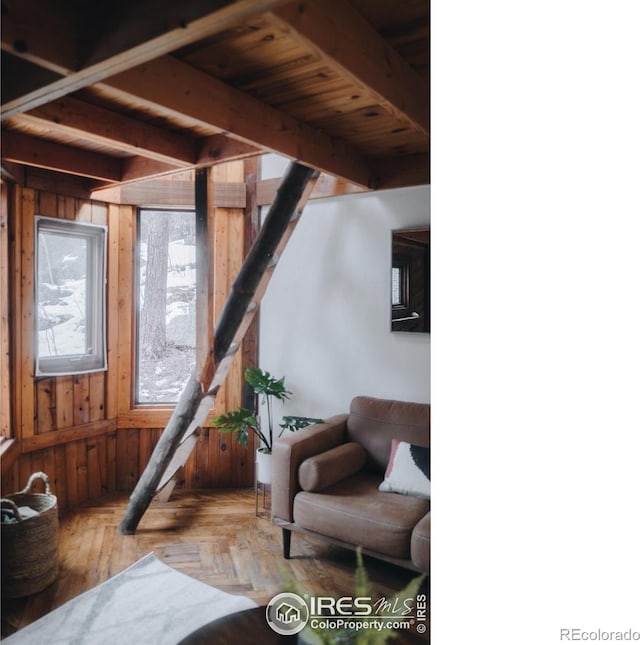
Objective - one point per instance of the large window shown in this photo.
(70, 297)
(166, 312)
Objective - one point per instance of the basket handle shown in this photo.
(32, 479)
(12, 507)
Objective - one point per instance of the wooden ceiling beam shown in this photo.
(176, 89)
(30, 151)
(341, 38)
(326, 186)
(220, 147)
(179, 193)
(40, 32)
(211, 150)
(159, 27)
(85, 122)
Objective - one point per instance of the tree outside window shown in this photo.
(166, 281)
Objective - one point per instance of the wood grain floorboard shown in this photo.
(213, 536)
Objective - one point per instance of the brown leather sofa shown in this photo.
(326, 478)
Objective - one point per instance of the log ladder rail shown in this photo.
(181, 433)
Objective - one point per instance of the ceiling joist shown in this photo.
(69, 117)
(177, 90)
(30, 151)
(133, 42)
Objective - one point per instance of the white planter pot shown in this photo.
(263, 467)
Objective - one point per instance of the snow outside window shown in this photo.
(70, 297)
(166, 293)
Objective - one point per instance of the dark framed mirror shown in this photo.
(410, 280)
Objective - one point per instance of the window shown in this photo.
(166, 307)
(70, 297)
(399, 285)
(410, 290)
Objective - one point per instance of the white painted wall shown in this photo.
(325, 319)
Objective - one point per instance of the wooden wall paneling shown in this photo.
(221, 458)
(122, 476)
(37, 466)
(81, 399)
(125, 317)
(113, 265)
(241, 458)
(103, 465)
(46, 405)
(144, 449)
(97, 396)
(66, 413)
(5, 344)
(47, 204)
(222, 454)
(94, 481)
(26, 356)
(61, 483)
(72, 472)
(10, 483)
(64, 401)
(133, 459)
(67, 207)
(82, 471)
(15, 300)
(112, 465)
(49, 467)
(211, 437)
(25, 471)
(221, 280)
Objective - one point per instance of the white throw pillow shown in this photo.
(408, 470)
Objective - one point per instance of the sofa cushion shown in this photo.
(408, 470)
(355, 511)
(321, 471)
(373, 423)
(421, 543)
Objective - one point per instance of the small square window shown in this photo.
(70, 297)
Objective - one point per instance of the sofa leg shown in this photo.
(286, 543)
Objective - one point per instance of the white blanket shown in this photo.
(147, 603)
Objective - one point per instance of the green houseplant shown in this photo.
(241, 420)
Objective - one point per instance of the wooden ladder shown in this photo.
(181, 433)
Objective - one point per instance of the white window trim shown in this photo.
(96, 360)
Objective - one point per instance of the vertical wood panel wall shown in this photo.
(83, 430)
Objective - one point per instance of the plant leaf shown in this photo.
(294, 423)
(263, 383)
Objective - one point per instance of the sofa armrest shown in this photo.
(290, 451)
(331, 466)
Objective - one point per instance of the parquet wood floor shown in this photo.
(213, 536)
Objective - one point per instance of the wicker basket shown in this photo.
(30, 546)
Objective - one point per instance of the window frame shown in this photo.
(96, 309)
(135, 358)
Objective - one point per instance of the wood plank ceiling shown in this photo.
(120, 91)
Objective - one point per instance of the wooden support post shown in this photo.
(196, 399)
